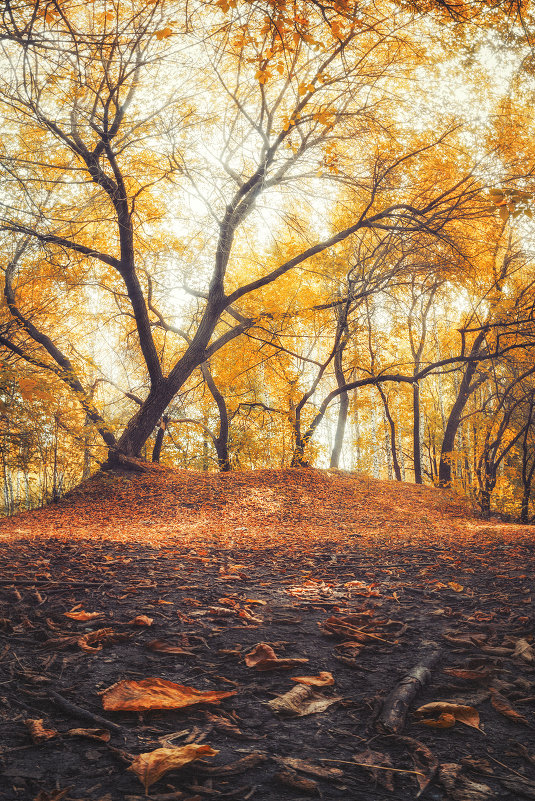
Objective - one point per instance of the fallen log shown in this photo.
(394, 712)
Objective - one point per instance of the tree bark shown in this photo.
(417, 445)
(392, 426)
(340, 430)
(157, 450)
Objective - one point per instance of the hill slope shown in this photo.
(252, 508)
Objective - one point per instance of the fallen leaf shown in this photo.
(38, 733)
(323, 679)
(167, 648)
(151, 766)
(444, 721)
(376, 759)
(141, 620)
(289, 778)
(503, 706)
(455, 587)
(234, 768)
(425, 762)
(301, 700)
(460, 788)
(524, 650)
(93, 734)
(263, 657)
(464, 714)
(481, 674)
(82, 615)
(465, 640)
(138, 696)
(313, 770)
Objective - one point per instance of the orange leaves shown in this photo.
(141, 620)
(448, 714)
(478, 675)
(167, 648)
(82, 615)
(524, 651)
(151, 766)
(502, 705)
(164, 33)
(301, 700)
(323, 679)
(263, 657)
(38, 732)
(140, 696)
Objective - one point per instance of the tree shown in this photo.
(94, 152)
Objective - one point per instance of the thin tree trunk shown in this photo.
(340, 430)
(157, 450)
(392, 426)
(417, 447)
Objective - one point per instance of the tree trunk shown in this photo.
(524, 513)
(417, 446)
(392, 426)
(340, 430)
(157, 450)
(466, 388)
(485, 503)
(221, 441)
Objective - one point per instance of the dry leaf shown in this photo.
(455, 587)
(263, 657)
(459, 788)
(151, 766)
(524, 650)
(502, 705)
(38, 733)
(323, 679)
(167, 648)
(376, 759)
(93, 734)
(313, 770)
(425, 762)
(234, 768)
(141, 620)
(469, 675)
(289, 778)
(301, 700)
(82, 615)
(444, 721)
(464, 714)
(465, 640)
(138, 696)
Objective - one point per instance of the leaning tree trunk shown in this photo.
(466, 388)
(392, 427)
(342, 408)
(340, 430)
(221, 441)
(157, 450)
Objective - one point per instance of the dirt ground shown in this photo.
(379, 597)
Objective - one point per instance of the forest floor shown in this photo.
(153, 628)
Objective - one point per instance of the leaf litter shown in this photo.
(359, 580)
